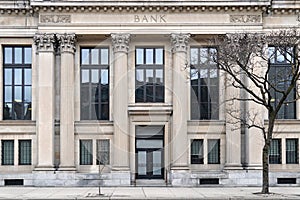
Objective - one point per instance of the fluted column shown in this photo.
(180, 148)
(45, 108)
(67, 48)
(120, 44)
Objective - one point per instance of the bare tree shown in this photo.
(265, 67)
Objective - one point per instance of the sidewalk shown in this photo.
(147, 193)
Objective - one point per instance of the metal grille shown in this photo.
(24, 152)
(7, 152)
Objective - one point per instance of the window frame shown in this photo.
(11, 154)
(20, 152)
(212, 113)
(86, 155)
(296, 152)
(274, 159)
(275, 65)
(200, 158)
(98, 102)
(210, 150)
(26, 106)
(101, 151)
(154, 66)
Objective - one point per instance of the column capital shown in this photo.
(120, 42)
(67, 42)
(179, 42)
(44, 42)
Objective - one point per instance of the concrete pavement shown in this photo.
(147, 193)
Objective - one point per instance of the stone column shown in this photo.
(67, 49)
(179, 138)
(45, 107)
(120, 43)
(233, 127)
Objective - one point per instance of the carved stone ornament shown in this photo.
(67, 42)
(245, 18)
(179, 42)
(44, 41)
(120, 42)
(57, 19)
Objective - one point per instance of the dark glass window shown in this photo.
(86, 152)
(275, 152)
(204, 84)
(24, 152)
(291, 148)
(149, 75)
(213, 148)
(7, 152)
(197, 151)
(17, 83)
(94, 84)
(280, 60)
(103, 152)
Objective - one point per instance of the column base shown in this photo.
(253, 167)
(67, 168)
(232, 166)
(44, 168)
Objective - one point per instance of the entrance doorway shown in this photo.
(149, 145)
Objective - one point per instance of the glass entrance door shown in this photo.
(150, 163)
(150, 152)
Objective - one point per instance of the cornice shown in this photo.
(153, 6)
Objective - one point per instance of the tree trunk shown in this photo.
(265, 161)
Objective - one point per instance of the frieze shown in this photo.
(245, 18)
(56, 19)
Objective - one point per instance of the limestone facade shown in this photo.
(138, 133)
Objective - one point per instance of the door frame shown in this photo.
(152, 137)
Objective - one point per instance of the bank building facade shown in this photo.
(130, 87)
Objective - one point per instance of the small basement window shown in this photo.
(13, 182)
(286, 180)
(209, 181)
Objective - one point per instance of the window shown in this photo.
(86, 149)
(149, 75)
(17, 83)
(204, 84)
(94, 83)
(275, 152)
(103, 152)
(7, 152)
(24, 152)
(197, 151)
(213, 148)
(280, 59)
(291, 151)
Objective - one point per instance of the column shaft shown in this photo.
(180, 102)
(120, 102)
(46, 95)
(67, 46)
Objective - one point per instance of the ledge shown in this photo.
(150, 109)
